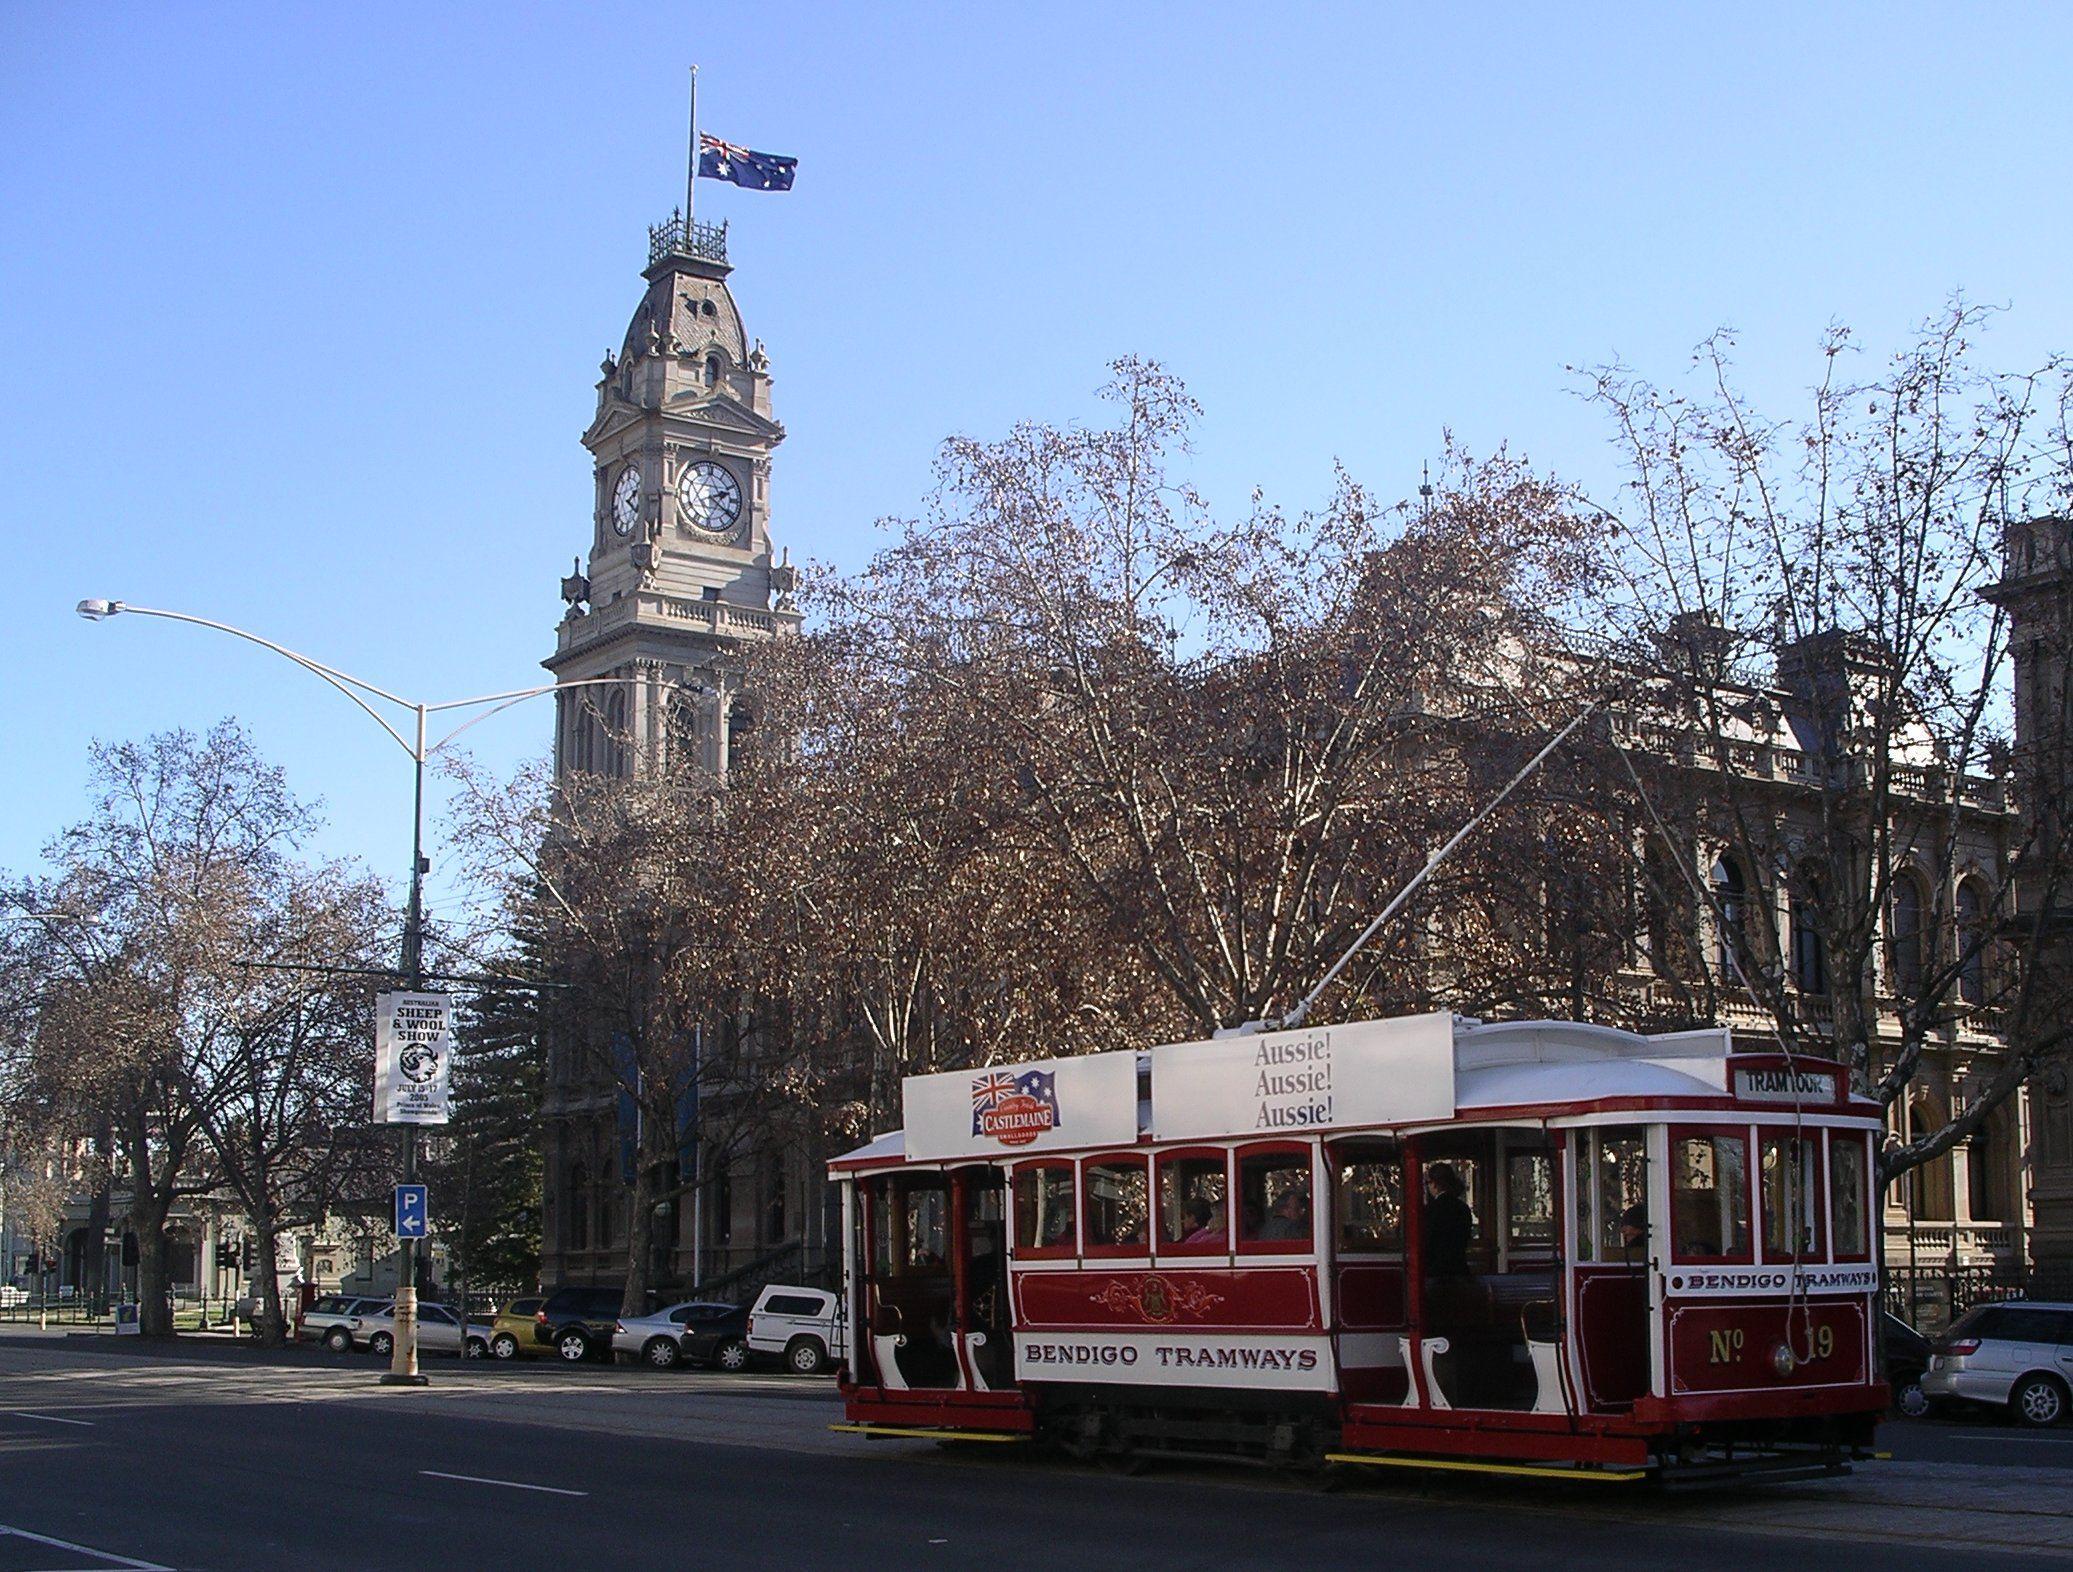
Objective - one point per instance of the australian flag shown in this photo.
(719, 160)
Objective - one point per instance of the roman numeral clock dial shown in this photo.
(626, 501)
(709, 497)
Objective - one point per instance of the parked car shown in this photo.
(1907, 1357)
(2017, 1354)
(330, 1319)
(577, 1323)
(802, 1324)
(12, 1294)
(718, 1335)
(511, 1330)
(663, 1339)
(438, 1332)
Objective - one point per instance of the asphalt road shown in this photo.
(223, 1459)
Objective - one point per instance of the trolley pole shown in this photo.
(403, 1370)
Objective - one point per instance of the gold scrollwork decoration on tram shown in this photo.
(1156, 1300)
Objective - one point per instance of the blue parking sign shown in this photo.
(413, 1212)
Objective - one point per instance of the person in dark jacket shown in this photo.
(1448, 1224)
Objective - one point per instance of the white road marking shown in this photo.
(49, 1419)
(108, 1556)
(508, 1484)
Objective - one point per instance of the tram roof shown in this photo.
(1553, 1068)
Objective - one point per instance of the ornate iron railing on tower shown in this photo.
(673, 237)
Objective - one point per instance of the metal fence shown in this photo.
(1930, 1298)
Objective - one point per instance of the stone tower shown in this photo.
(680, 583)
(2036, 590)
(681, 574)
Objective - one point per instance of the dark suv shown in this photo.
(577, 1323)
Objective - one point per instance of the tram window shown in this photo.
(1847, 1167)
(1529, 1195)
(1118, 1208)
(1191, 1204)
(1791, 1197)
(1274, 1199)
(1044, 1210)
(1370, 1201)
(1709, 1196)
(913, 1228)
(1618, 1180)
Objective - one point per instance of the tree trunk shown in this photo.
(148, 1219)
(271, 1321)
(640, 1234)
(93, 1257)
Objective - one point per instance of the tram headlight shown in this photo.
(1782, 1360)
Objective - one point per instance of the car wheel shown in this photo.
(805, 1356)
(476, 1349)
(1910, 1401)
(732, 1355)
(381, 1344)
(338, 1340)
(572, 1346)
(2038, 1401)
(503, 1346)
(662, 1352)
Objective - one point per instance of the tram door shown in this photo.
(911, 1292)
(984, 1325)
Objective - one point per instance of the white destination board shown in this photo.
(1322, 1078)
(413, 1058)
(1012, 1109)
(1784, 1086)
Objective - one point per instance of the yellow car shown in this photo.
(511, 1332)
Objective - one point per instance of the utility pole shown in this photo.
(403, 1370)
(403, 1367)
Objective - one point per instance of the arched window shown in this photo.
(615, 751)
(1731, 897)
(1809, 952)
(576, 1201)
(1932, 1180)
(712, 371)
(1906, 934)
(1666, 912)
(1972, 942)
(740, 725)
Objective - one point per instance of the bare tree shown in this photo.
(1228, 741)
(150, 908)
(1820, 717)
(284, 1083)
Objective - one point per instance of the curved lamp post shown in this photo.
(403, 1367)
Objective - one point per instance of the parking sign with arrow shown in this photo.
(413, 1212)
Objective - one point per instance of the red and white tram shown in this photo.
(1531, 1245)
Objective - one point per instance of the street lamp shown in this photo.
(403, 1367)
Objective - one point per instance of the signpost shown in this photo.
(413, 1085)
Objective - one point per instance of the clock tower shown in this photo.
(680, 584)
(681, 575)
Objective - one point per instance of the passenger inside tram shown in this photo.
(1489, 1268)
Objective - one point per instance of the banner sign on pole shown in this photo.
(413, 1058)
(413, 1212)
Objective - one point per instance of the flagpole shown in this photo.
(691, 174)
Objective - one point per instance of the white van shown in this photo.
(805, 1325)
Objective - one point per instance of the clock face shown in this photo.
(709, 497)
(626, 501)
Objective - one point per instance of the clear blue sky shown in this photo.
(301, 305)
